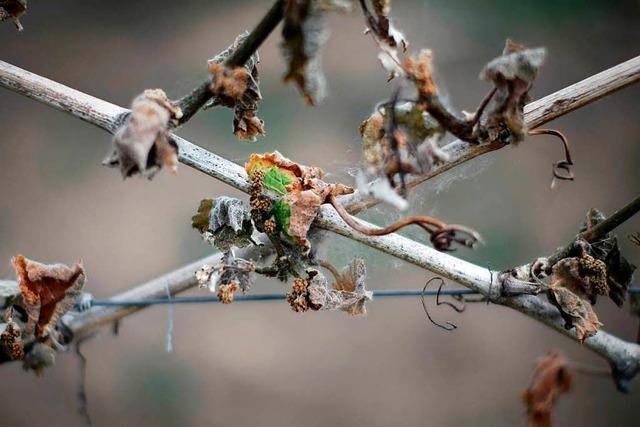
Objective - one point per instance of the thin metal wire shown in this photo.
(382, 293)
(270, 297)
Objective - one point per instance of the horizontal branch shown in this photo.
(623, 355)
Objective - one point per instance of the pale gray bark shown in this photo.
(623, 355)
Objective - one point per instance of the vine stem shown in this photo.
(536, 114)
(623, 356)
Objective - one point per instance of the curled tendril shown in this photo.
(561, 169)
(635, 238)
(448, 326)
(442, 236)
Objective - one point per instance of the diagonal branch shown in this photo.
(624, 356)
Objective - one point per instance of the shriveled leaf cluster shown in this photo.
(142, 145)
(44, 294)
(238, 87)
(300, 192)
(551, 378)
(13, 10)
(403, 137)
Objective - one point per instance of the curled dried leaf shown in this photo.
(304, 34)
(224, 223)
(348, 294)
(551, 378)
(142, 145)
(512, 75)
(48, 291)
(13, 9)
(576, 312)
(238, 88)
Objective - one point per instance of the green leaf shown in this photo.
(282, 214)
(276, 180)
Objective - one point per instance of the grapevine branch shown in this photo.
(623, 356)
(536, 114)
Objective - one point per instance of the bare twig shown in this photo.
(624, 356)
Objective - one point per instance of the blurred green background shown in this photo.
(261, 364)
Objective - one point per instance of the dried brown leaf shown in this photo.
(13, 9)
(48, 292)
(141, 145)
(576, 312)
(304, 34)
(349, 294)
(512, 74)
(238, 88)
(551, 377)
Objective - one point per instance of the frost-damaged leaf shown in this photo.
(13, 9)
(380, 25)
(228, 277)
(141, 145)
(301, 192)
(380, 189)
(575, 311)
(48, 291)
(304, 34)
(619, 270)
(238, 88)
(224, 223)
(551, 377)
(512, 74)
(348, 294)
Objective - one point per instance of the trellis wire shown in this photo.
(382, 293)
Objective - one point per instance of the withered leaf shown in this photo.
(551, 377)
(304, 34)
(13, 9)
(224, 222)
(512, 74)
(48, 292)
(227, 277)
(141, 145)
(238, 88)
(576, 312)
(348, 294)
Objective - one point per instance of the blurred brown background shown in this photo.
(260, 363)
